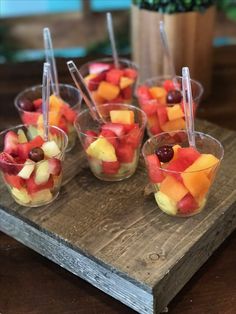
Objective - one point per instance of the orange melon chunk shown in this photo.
(174, 125)
(125, 82)
(196, 182)
(205, 161)
(108, 91)
(158, 93)
(175, 149)
(55, 103)
(173, 188)
(175, 112)
(122, 116)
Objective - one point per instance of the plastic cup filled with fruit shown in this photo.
(62, 111)
(109, 84)
(112, 148)
(182, 175)
(30, 166)
(161, 99)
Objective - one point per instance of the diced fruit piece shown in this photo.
(116, 128)
(108, 91)
(204, 161)
(166, 204)
(14, 181)
(42, 196)
(110, 136)
(68, 113)
(131, 73)
(102, 149)
(27, 169)
(128, 167)
(188, 155)
(27, 105)
(110, 167)
(94, 82)
(88, 77)
(55, 103)
(129, 127)
(196, 182)
(25, 148)
(21, 195)
(187, 205)
(154, 169)
(42, 173)
(113, 76)
(8, 164)
(36, 154)
(158, 93)
(173, 125)
(21, 136)
(165, 153)
(11, 143)
(150, 106)
(50, 149)
(32, 132)
(153, 124)
(125, 153)
(174, 97)
(173, 188)
(97, 98)
(38, 103)
(54, 166)
(175, 149)
(162, 114)
(33, 187)
(63, 124)
(90, 137)
(95, 165)
(175, 112)
(122, 116)
(133, 137)
(97, 67)
(53, 118)
(168, 85)
(30, 117)
(143, 94)
(125, 82)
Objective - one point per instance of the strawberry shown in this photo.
(8, 164)
(11, 143)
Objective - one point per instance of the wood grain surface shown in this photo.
(31, 284)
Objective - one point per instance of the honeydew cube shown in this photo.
(50, 149)
(102, 149)
(108, 91)
(42, 172)
(27, 169)
(32, 132)
(21, 136)
(175, 112)
(125, 82)
(22, 195)
(165, 203)
(173, 125)
(122, 116)
(173, 188)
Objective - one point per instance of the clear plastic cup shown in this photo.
(59, 115)
(112, 149)
(32, 183)
(107, 85)
(162, 116)
(182, 184)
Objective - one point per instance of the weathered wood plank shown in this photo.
(122, 233)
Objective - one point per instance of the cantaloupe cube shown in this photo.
(205, 161)
(173, 188)
(108, 91)
(97, 98)
(173, 125)
(175, 112)
(158, 93)
(175, 149)
(196, 182)
(122, 116)
(125, 82)
(55, 103)
(89, 77)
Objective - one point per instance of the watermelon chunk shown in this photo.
(187, 204)
(110, 167)
(188, 155)
(30, 117)
(91, 136)
(150, 106)
(68, 113)
(14, 181)
(127, 92)
(110, 136)
(153, 165)
(32, 187)
(162, 115)
(125, 153)
(113, 76)
(37, 103)
(117, 128)
(98, 67)
(133, 137)
(168, 85)
(143, 94)
(93, 83)
(11, 143)
(131, 73)
(25, 148)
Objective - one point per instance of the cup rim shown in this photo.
(40, 86)
(183, 131)
(170, 77)
(110, 60)
(25, 125)
(142, 127)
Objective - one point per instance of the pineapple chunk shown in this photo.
(102, 149)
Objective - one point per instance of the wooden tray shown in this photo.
(115, 238)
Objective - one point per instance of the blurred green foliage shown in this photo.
(229, 7)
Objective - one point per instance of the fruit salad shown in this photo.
(109, 84)
(112, 148)
(181, 175)
(62, 113)
(32, 167)
(161, 100)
